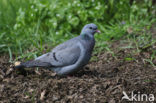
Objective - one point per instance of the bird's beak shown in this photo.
(98, 31)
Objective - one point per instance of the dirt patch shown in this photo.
(101, 81)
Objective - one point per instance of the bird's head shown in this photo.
(90, 29)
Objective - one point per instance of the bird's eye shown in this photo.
(90, 28)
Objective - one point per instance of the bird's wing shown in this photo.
(62, 56)
(67, 44)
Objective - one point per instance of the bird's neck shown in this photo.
(86, 36)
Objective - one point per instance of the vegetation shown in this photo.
(28, 27)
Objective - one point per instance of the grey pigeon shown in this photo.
(68, 57)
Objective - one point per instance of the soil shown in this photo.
(101, 81)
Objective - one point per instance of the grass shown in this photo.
(28, 28)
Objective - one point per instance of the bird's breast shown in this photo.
(88, 48)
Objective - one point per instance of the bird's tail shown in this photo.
(33, 63)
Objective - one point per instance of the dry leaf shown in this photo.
(9, 71)
(112, 101)
(26, 97)
(70, 97)
(31, 90)
(53, 74)
(42, 95)
(81, 96)
(37, 72)
(6, 80)
(1, 87)
(17, 63)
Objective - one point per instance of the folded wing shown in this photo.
(61, 57)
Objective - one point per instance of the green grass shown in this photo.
(28, 27)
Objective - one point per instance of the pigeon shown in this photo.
(68, 57)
